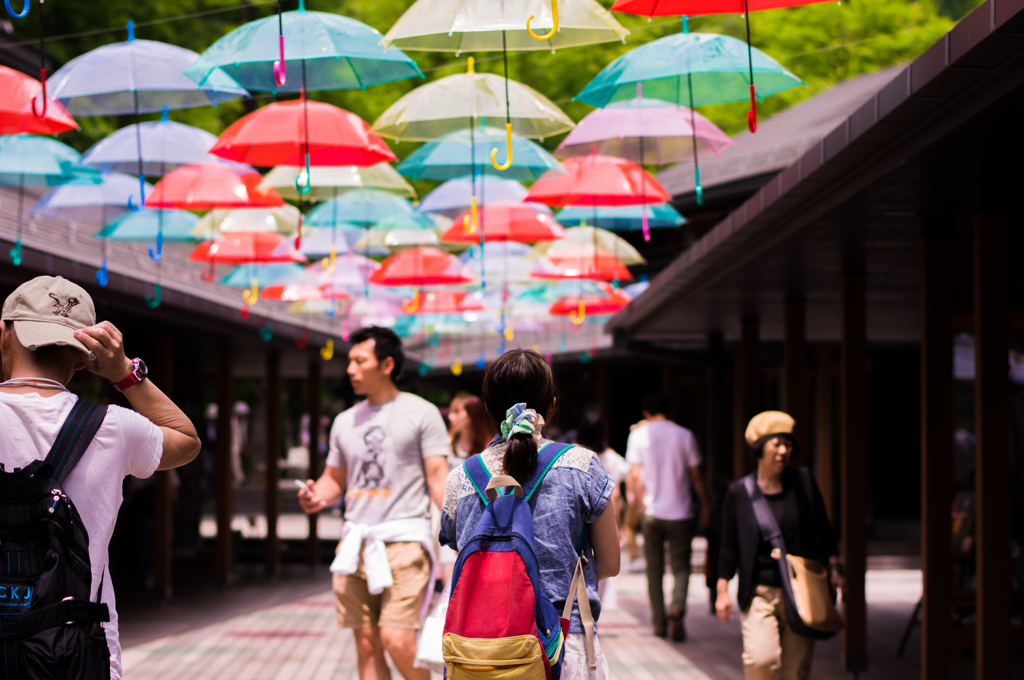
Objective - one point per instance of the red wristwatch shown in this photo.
(137, 375)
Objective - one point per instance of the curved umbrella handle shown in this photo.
(207, 274)
(298, 234)
(579, 316)
(700, 190)
(245, 312)
(327, 351)
(42, 79)
(752, 113)
(299, 186)
(157, 252)
(16, 15)
(16, 253)
(153, 301)
(412, 305)
(509, 334)
(345, 332)
(267, 332)
(331, 311)
(457, 367)
(101, 274)
(303, 341)
(481, 359)
(142, 195)
(508, 141)
(469, 221)
(329, 263)
(554, 28)
(252, 295)
(280, 75)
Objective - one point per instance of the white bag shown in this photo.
(428, 650)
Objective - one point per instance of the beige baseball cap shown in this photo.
(47, 311)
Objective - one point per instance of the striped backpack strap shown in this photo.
(479, 475)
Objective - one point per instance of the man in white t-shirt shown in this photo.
(389, 456)
(48, 333)
(665, 465)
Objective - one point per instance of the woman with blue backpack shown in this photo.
(528, 519)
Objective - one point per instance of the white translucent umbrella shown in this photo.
(582, 241)
(282, 219)
(329, 181)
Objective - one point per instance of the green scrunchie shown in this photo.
(517, 421)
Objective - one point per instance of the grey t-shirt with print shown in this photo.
(382, 446)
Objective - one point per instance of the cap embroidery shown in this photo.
(64, 308)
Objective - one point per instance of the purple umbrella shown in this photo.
(454, 196)
(90, 202)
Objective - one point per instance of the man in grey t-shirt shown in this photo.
(389, 456)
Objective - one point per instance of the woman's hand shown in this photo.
(723, 603)
(838, 581)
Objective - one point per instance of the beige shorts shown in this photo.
(398, 606)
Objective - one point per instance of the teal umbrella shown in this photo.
(143, 226)
(34, 161)
(330, 51)
(269, 274)
(468, 152)
(622, 217)
(364, 207)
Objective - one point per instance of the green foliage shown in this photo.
(823, 44)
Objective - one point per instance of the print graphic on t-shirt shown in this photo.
(371, 473)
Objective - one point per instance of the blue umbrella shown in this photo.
(33, 161)
(622, 218)
(455, 195)
(364, 207)
(459, 153)
(331, 51)
(143, 226)
(269, 274)
(89, 202)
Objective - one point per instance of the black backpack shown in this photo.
(49, 630)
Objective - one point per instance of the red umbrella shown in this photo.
(17, 91)
(597, 180)
(277, 135)
(206, 187)
(445, 302)
(422, 266)
(675, 8)
(295, 292)
(597, 265)
(242, 247)
(579, 306)
(504, 221)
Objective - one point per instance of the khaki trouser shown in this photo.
(679, 536)
(769, 645)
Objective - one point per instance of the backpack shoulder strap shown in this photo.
(74, 438)
(478, 475)
(546, 458)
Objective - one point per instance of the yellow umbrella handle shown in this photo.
(509, 334)
(579, 316)
(468, 226)
(457, 367)
(329, 262)
(327, 351)
(494, 152)
(554, 29)
(410, 306)
(252, 295)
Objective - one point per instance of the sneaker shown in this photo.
(659, 632)
(678, 628)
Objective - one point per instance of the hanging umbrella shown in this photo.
(422, 266)
(283, 219)
(17, 92)
(447, 302)
(582, 241)
(33, 161)
(455, 195)
(329, 181)
(589, 263)
(579, 306)
(244, 248)
(597, 180)
(502, 260)
(274, 273)
(622, 217)
(349, 273)
(364, 207)
(339, 239)
(177, 225)
(454, 156)
(330, 51)
(295, 292)
(90, 202)
(399, 231)
(208, 187)
(504, 221)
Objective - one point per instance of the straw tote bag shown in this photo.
(807, 593)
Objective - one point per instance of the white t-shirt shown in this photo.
(126, 444)
(666, 452)
(382, 446)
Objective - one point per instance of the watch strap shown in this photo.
(133, 378)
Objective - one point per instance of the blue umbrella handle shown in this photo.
(267, 332)
(16, 15)
(42, 79)
(142, 195)
(700, 191)
(332, 310)
(481, 360)
(153, 301)
(101, 274)
(158, 252)
(16, 253)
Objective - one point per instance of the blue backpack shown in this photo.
(499, 622)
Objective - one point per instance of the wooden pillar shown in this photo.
(745, 398)
(315, 463)
(992, 450)
(163, 491)
(222, 477)
(795, 364)
(854, 469)
(936, 458)
(717, 458)
(670, 388)
(823, 427)
(272, 397)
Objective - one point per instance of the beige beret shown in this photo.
(768, 424)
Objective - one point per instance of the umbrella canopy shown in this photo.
(177, 225)
(622, 217)
(478, 26)
(34, 161)
(165, 146)
(320, 242)
(269, 274)
(502, 261)
(587, 242)
(364, 207)
(329, 181)
(295, 292)
(454, 156)
(598, 180)
(350, 273)
(17, 91)
(504, 221)
(277, 134)
(597, 266)
(399, 231)
(444, 106)
(609, 301)
(662, 132)
(455, 195)
(243, 247)
(90, 202)
(675, 8)
(422, 266)
(206, 187)
(322, 51)
(692, 69)
(446, 302)
(137, 76)
(284, 219)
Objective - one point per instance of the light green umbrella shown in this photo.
(400, 231)
(333, 180)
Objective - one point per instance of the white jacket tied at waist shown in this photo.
(375, 555)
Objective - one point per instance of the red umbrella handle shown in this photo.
(303, 342)
(752, 113)
(42, 79)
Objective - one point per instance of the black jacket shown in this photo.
(804, 523)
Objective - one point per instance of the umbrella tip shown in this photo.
(302, 5)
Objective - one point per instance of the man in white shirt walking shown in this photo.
(389, 456)
(665, 466)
